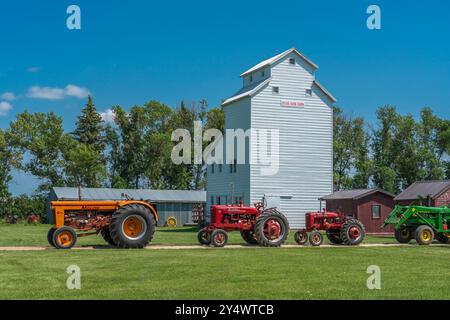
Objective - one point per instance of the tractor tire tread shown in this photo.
(344, 234)
(116, 224)
(262, 240)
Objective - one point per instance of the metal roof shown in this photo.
(424, 188)
(325, 91)
(274, 59)
(63, 193)
(247, 91)
(354, 194)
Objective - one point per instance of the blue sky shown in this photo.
(129, 52)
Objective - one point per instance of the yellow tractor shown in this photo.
(122, 223)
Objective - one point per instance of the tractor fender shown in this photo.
(143, 203)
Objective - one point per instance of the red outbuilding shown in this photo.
(437, 192)
(370, 206)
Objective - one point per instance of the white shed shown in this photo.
(280, 93)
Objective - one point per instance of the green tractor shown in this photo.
(420, 222)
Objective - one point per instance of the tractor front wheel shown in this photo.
(271, 230)
(315, 238)
(132, 226)
(424, 235)
(50, 233)
(403, 235)
(204, 237)
(64, 238)
(301, 237)
(443, 238)
(352, 232)
(219, 238)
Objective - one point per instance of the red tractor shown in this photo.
(339, 229)
(266, 227)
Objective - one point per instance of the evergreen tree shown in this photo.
(90, 127)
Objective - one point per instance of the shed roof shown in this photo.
(354, 194)
(424, 188)
(274, 59)
(187, 196)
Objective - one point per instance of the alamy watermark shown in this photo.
(252, 146)
(74, 280)
(374, 280)
(73, 21)
(374, 20)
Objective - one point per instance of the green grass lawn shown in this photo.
(408, 272)
(309, 273)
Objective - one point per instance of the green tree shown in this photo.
(38, 136)
(215, 118)
(114, 158)
(447, 169)
(350, 152)
(90, 127)
(139, 147)
(363, 162)
(6, 163)
(159, 170)
(443, 139)
(131, 132)
(25, 205)
(384, 173)
(83, 166)
(406, 154)
(431, 145)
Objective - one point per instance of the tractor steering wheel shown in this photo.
(258, 205)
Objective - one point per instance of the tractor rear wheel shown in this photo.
(301, 237)
(50, 233)
(424, 235)
(204, 237)
(249, 236)
(315, 238)
(64, 238)
(107, 236)
(219, 238)
(403, 235)
(132, 226)
(443, 237)
(271, 230)
(352, 232)
(334, 236)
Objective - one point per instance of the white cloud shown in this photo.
(47, 93)
(108, 116)
(50, 93)
(4, 108)
(75, 91)
(8, 96)
(33, 69)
